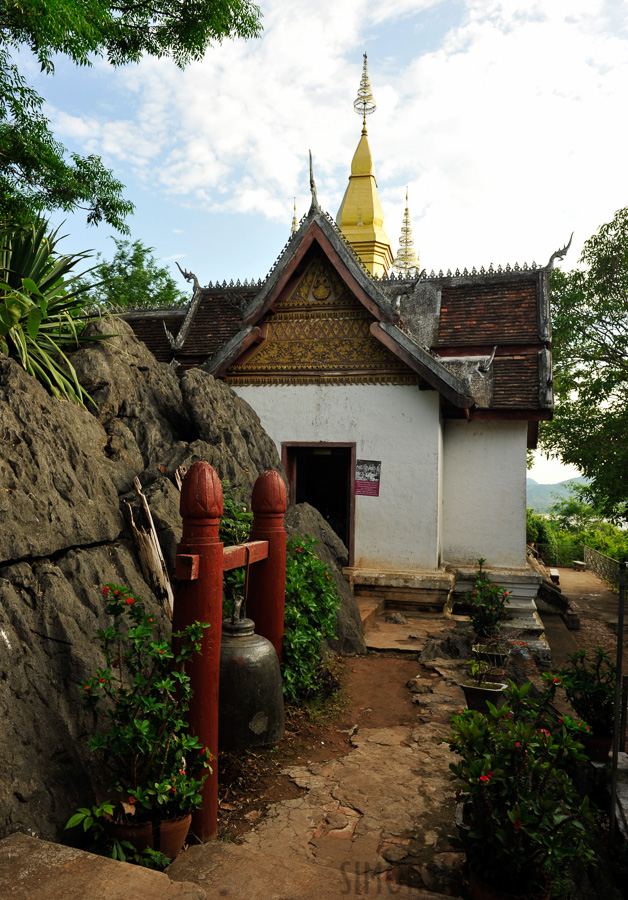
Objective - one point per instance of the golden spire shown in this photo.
(364, 104)
(360, 217)
(406, 259)
(295, 224)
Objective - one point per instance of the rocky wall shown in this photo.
(64, 474)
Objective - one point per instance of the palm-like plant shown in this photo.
(41, 309)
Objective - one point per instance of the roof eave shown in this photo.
(421, 362)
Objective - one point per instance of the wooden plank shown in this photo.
(150, 557)
(234, 557)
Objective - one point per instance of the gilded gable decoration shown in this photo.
(320, 334)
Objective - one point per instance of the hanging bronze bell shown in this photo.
(251, 696)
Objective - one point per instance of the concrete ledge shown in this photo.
(428, 580)
(32, 869)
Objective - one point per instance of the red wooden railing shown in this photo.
(200, 562)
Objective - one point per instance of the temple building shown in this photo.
(402, 403)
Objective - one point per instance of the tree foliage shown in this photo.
(590, 350)
(132, 279)
(35, 171)
(571, 523)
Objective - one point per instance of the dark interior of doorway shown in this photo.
(322, 478)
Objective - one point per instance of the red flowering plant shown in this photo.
(524, 817)
(153, 766)
(487, 604)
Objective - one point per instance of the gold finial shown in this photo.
(364, 104)
(295, 224)
(406, 259)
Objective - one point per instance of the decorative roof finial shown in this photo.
(313, 187)
(364, 104)
(295, 224)
(406, 259)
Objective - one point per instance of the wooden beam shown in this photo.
(234, 557)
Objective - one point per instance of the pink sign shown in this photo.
(367, 488)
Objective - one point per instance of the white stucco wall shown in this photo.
(484, 492)
(398, 425)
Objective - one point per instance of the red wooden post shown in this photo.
(198, 569)
(267, 579)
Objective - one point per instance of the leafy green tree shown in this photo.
(35, 171)
(575, 523)
(41, 308)
(131, 279)
(590, 349)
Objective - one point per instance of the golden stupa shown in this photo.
(360, 217)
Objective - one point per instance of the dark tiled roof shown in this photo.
(471, 313)
(149, 327)
(488, 313)
(217, 319)
(516, 382)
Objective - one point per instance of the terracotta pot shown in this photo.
(165, 835)
(480, 890)
(477, 695)
(596, 748)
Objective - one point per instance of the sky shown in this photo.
(504, 118)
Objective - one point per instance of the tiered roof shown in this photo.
(480, 338)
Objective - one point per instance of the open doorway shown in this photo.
(322, 475)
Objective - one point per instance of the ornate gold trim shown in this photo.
(320, 341)
(260, 380)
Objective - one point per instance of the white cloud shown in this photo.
(508, 129)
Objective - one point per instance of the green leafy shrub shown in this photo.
(540, 531)
(589, 682)
(523, 813)
(235, 525)
(310, 618)
(153, 765)
(487, 602)
(311, 603)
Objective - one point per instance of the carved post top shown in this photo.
(201, 493)
(269, 494)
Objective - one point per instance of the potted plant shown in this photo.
(487, 603)
(589, 682)
(523, 819)
(482, 685)
(153, 767)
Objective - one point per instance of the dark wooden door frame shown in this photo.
(289, 465)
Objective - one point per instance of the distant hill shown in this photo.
(542, 496)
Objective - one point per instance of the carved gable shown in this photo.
(319, 334)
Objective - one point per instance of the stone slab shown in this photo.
(234, 872)
(32, 869)
(430, 580)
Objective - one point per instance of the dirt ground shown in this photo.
(250, 780)
(597, 606)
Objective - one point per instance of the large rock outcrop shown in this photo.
(64, 474)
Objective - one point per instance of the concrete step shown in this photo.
(369, 608)
(32, 869)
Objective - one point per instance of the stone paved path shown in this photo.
(376, 821)
(366, 821)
